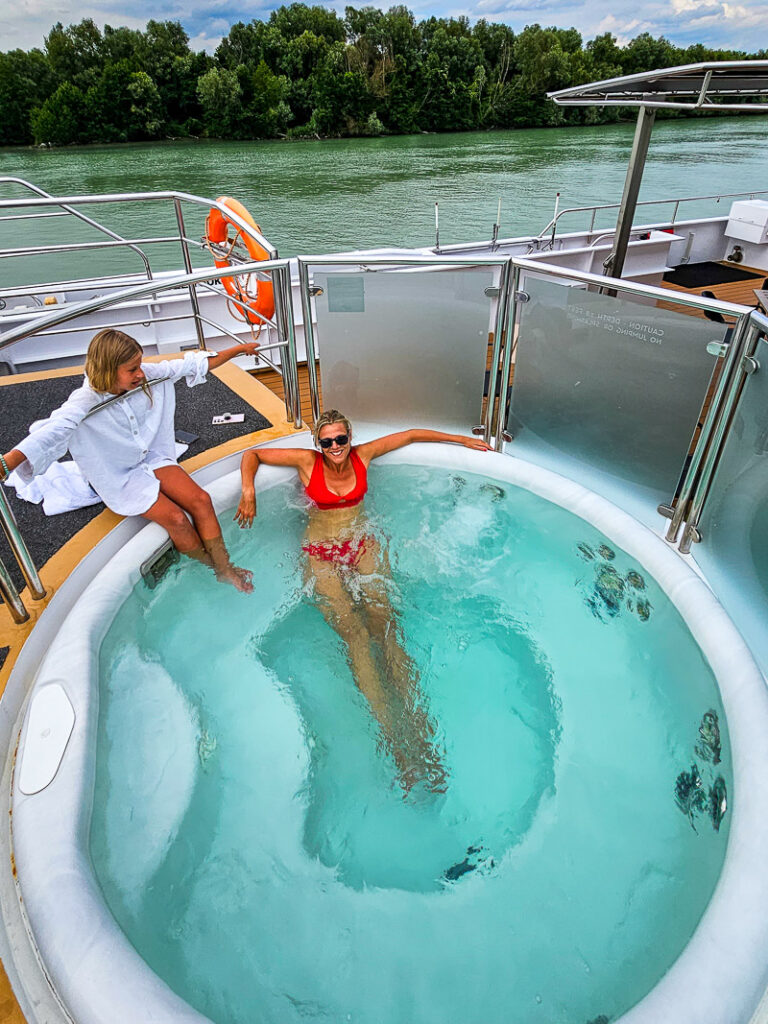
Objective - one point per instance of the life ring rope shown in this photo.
(255, 307)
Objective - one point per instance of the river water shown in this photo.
(314, 197)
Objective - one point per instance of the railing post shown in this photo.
(501, 319)
(286, 330)
(201, 343)
(731, 363)
(509, 345)
(19, 548)
(291, 340)
(10, 595)
(752, 331)
(309, 340)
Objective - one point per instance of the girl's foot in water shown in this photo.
(241, 579)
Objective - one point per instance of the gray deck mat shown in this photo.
(23, 403)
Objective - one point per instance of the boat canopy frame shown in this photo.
(704, 84)
(687, 87)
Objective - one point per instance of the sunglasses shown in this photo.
(340, 440)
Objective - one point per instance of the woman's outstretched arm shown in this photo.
(301, 459)
(391, 442)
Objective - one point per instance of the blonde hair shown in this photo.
(328, 417)
(108, 350)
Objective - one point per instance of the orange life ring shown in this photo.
(256, 307)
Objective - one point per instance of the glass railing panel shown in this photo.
(405, 347)
(733, 551)
(609, 389)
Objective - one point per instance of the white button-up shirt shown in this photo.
(117, 448)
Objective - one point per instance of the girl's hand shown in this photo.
(476, 442)
(250, 348)
(246, 511)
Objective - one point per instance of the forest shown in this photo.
(306, 72)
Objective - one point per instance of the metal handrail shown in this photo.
(133, 197)
(720, 398)
(43, 322)
(37, 250)
(552, 225)
(632, 287)
(743, 313)
(20, 550)
(754, 327)
(10, 596)
(365, 263)
(60, 314)
(67, 208)
(500, 342)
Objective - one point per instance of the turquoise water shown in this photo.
(315, 197)
(255, 839)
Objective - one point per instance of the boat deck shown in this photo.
(58, 543)
(741, 292)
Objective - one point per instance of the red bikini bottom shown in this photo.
(346, 552)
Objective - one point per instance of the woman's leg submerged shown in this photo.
(374, 578)
(343, 616)
(382, 670)
(201, 539)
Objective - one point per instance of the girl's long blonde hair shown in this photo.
(330, 416)
(109, 349)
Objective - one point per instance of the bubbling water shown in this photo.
(252, 830)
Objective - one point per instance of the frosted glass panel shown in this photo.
(734, 525)
(609, 383)
(404, 347)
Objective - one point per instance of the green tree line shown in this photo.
(308, 72)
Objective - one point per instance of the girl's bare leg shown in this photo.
(180, 490)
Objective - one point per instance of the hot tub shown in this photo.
(381, 902)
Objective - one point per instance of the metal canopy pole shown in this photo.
(614, 264)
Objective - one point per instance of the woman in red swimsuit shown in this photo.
(350, 574)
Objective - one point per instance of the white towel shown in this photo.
(61, 488)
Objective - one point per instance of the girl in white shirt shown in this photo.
(126, 449)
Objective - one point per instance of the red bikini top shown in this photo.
(317, 489)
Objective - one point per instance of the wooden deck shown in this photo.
(273, 380)
(740, 292)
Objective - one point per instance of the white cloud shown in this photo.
(719, 23)
(681, 6)
(623, 31)
(746, 16)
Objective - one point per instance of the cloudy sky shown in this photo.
(742, 24)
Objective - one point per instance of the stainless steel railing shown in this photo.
(68, 209)
(551, 228)
(695, 477)
(53, 317)
(699, 480)
(21, 553)
(29, 209)
(393, 263)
